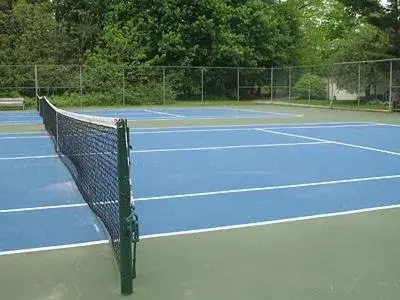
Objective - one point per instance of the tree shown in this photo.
(385, 18)
(365, 42)
(321, 23)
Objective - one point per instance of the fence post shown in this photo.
(359, 86)
(272, 85)
(329, 89)
(202, 84)
(36, 81)
(238, 85)
(123, 86)
(390, 87)
(80, 83)
(309, 87)
(290, 84)
(163, 76)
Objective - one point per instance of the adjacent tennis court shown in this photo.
(7, 118)
(188, 180)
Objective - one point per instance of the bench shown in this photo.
(12, 102)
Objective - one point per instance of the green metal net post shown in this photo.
(125, 210)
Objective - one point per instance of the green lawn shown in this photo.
(346, 104)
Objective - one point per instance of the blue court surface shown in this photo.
(193, 179)
(32, 117)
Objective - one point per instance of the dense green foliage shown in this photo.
(102, 43)
(310, 87)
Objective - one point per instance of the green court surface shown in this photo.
(342, 257)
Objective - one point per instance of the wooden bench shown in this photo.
(12, 102)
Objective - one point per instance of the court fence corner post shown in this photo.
(125, 213)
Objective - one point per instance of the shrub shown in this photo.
(312, 83)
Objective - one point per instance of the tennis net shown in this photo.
(96, 152)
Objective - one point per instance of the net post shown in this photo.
(125, 213)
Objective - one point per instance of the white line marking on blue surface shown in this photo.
(28, 157)
(23, 137)
(228, 147)
(391, 125)
(14, 210)
(249, 129)
(17, 123)
(193, 130)
(305, 218)
(212, 229)
(333, 142)
(267, 113)
(163, 113)
(269, 188)
(181, 149)
(58, 247)
(249, 125)
(21, 133)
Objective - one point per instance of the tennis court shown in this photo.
(7, 118)
(188, 180)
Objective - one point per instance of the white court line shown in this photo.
(391, 125)
(333, 142)
(305, 218)
(205, 230)
(22, 133)
(5, 123)
(23, 137)
(183, 149)
(163, 113)
(269, 188)
(257, 111)
(227, 147)
(58, 247)
(249, 129)
(13, 210)
(250, 125)
(197, 130)
(28, 157)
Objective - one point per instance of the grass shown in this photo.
(345, 104)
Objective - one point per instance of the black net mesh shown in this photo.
(90, 152)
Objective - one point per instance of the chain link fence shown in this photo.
(355, 85)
